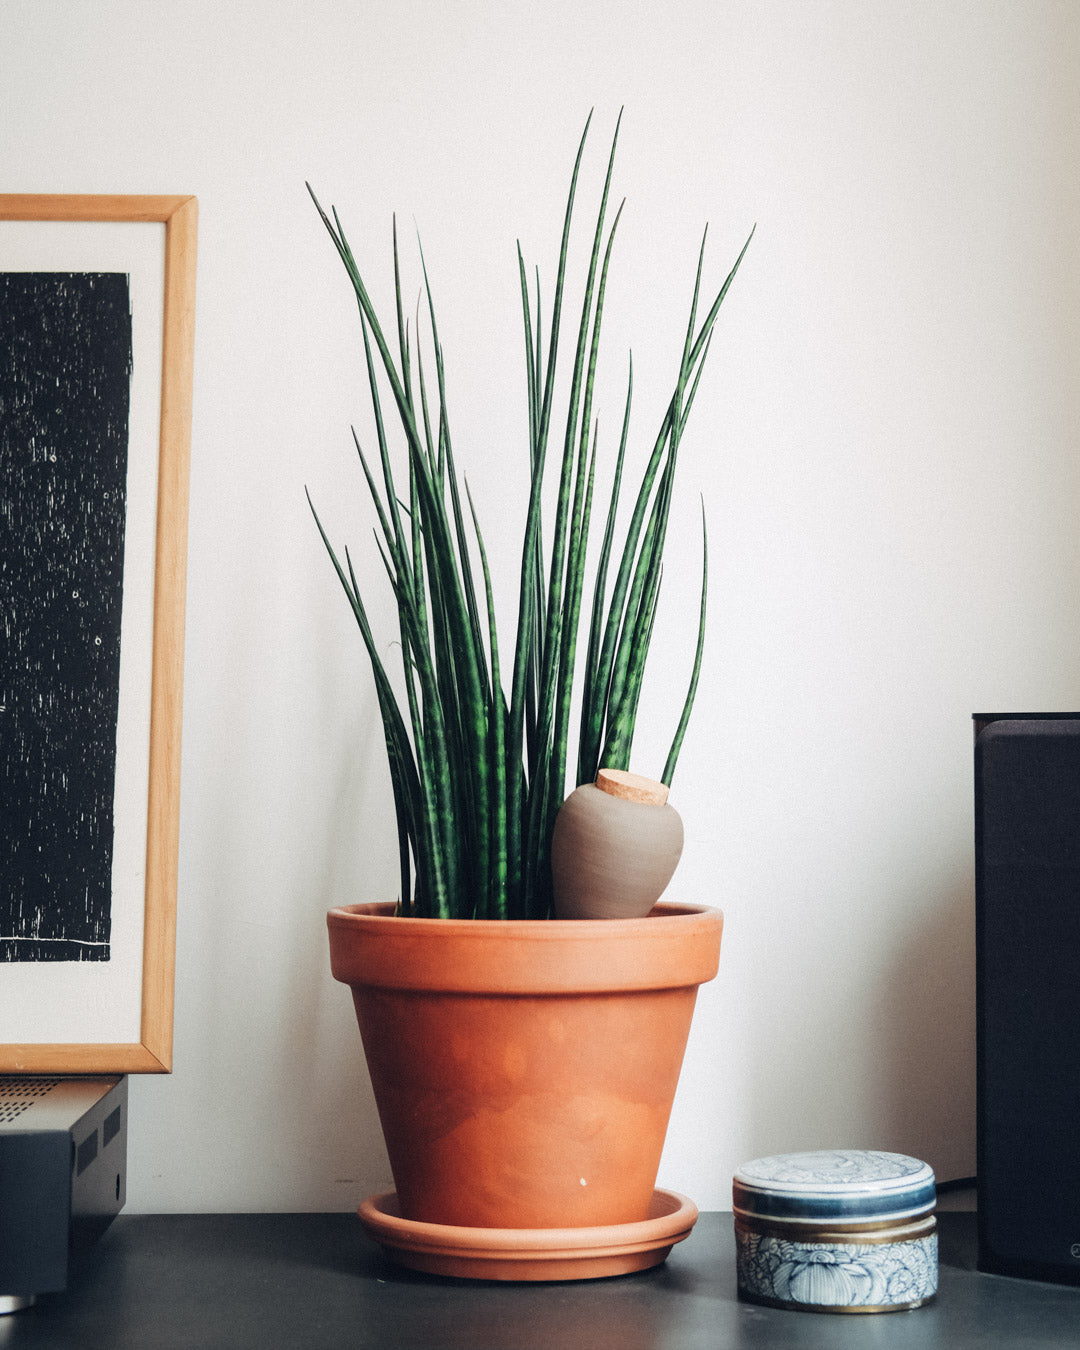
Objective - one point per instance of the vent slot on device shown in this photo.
(110, 1128)
(86, 1153)
(19, 1094)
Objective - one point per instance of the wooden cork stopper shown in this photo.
(632, 787)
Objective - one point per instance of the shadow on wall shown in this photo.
(340, 1156)
(882, 1061)
(926, 1033)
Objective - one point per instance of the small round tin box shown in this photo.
(844, 1230)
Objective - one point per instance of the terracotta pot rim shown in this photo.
(676, 946)
(665, 912)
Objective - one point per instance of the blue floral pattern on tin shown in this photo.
(844, 1275)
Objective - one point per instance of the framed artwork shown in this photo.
(97, 303)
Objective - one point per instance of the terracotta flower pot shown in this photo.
(524, 1071)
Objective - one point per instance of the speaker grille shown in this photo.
(19, 1094)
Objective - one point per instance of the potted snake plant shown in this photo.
(523, 1065)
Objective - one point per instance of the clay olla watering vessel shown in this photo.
(614, 848)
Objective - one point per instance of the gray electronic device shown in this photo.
(63, 1171)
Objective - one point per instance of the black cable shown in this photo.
(955, 1184)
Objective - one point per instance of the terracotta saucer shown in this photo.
(530, 1253)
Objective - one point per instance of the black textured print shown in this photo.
(65, 377)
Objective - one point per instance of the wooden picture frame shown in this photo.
(142, 1042)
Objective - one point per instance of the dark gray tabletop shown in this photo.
(279, 1281)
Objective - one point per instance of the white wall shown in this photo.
(886, 442)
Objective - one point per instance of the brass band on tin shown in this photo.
(853, 1308)
(853, 1234)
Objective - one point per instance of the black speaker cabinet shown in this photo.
(63, 1165)
(1027, 935)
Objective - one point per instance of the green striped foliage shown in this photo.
(477, 740)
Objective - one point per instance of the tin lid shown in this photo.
(834, 1185)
